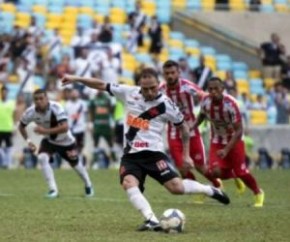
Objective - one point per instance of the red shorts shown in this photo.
(235, 160)
(197, 152)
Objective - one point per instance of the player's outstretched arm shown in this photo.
(90, 82)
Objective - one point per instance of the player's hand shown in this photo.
(32, 146)
(222, 153)
(187, 162)
(40, 130)
(68, 79)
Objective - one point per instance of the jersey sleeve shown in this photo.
(119, 91)
(60, 114)
(27, 117)
(173, 113)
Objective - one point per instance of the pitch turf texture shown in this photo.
(27, 216)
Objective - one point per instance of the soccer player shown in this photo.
(182, 92)
(101, 115)
(52, 122)
(227, 152)
(147, 113)
(76, 110)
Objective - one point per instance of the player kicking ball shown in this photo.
(51, 121)
(147, 113)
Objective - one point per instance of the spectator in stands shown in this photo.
(157, 64)
(137, 20)
(245, 100)
(64, 67)
(222, 4)
(286, 74)
(282, 103)
(185, 71)
(255, 5)
(54, 46)
(4, 47)
(201, 74)
(26, 79)
(95, 29)
(155, 33)
(106, 33)
(259, 103)
(110, 67)
(230, 82)
(20, 107)
(270, 53)
(132, 40)
(80, 39)
(35, 30)
(137, 73)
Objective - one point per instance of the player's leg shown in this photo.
(132, 178)
(162, 171)
(80, 137)
(45, 151)
(197, 153)
(7, 161)
(109, 137)
(175, 149)
(70, 153)
(237, 157)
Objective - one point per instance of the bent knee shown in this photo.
(175, 186)
(129, 181)
(43, 158)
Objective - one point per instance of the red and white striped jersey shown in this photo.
(182, 95)
(222, 116)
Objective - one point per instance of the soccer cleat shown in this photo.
(199, 199)
(221, 196)
(241, 188)
(259, 199)
(52, 194)
(89, 191)
(149, 225)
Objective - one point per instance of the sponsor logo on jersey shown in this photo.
(137, 122)
(140, 144)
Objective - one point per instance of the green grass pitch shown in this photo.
(27, 216)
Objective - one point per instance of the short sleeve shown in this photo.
(120, 91)
(60, 113)
(173, 113)
(27, 116)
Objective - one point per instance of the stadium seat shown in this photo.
(149, 8)
(206, 50)
(269, 83)
(87, 3)
(175, 43)
(272, 115)
(208, 5)
(163, 15)
(243, 86)
(192, 51)
(86, 10)
(24, 8)
(255, 74)
(41, 2)
(258, 117)
(240, 74)
(39, 9)
(118, 16)
(193, 5)
(176, 35)
(221, 74)
(240, 66)
(267, 8)
(191, 43)
(55, 9)
(226, 66)
(179, 3)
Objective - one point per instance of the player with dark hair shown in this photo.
(147, 113)
(182, 92)
(52, 122)
(227, 153)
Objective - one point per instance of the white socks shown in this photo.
(191, 186)
(138, 200)
(47, 171)
(83, 173)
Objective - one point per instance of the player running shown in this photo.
(148, 111)
(52, 122)
(182, 92)
(227, 152)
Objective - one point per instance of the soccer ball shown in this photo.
(172, 221)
